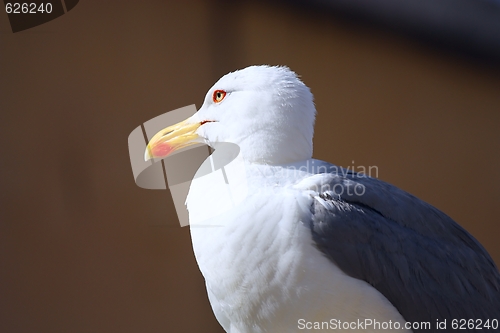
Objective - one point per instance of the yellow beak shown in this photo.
(171, 139)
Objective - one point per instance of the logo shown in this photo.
(29, 14)
(221, 170)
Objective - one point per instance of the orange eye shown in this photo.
(218, 96)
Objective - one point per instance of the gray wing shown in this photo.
(423, 262)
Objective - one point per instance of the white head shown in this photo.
(267, 111)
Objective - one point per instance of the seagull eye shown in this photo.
(218, 96)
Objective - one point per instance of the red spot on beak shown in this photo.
(161, 150)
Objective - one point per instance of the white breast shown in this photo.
(262, 271)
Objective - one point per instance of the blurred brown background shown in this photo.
(83, 249)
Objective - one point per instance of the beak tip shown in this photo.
(147, 155)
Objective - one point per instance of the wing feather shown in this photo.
(423, 262)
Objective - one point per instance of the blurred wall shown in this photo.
(83, 249)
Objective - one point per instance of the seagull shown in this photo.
(313, 247)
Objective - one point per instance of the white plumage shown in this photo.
(262, 271)
(287, 243)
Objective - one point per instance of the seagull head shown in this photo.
(267, 111)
